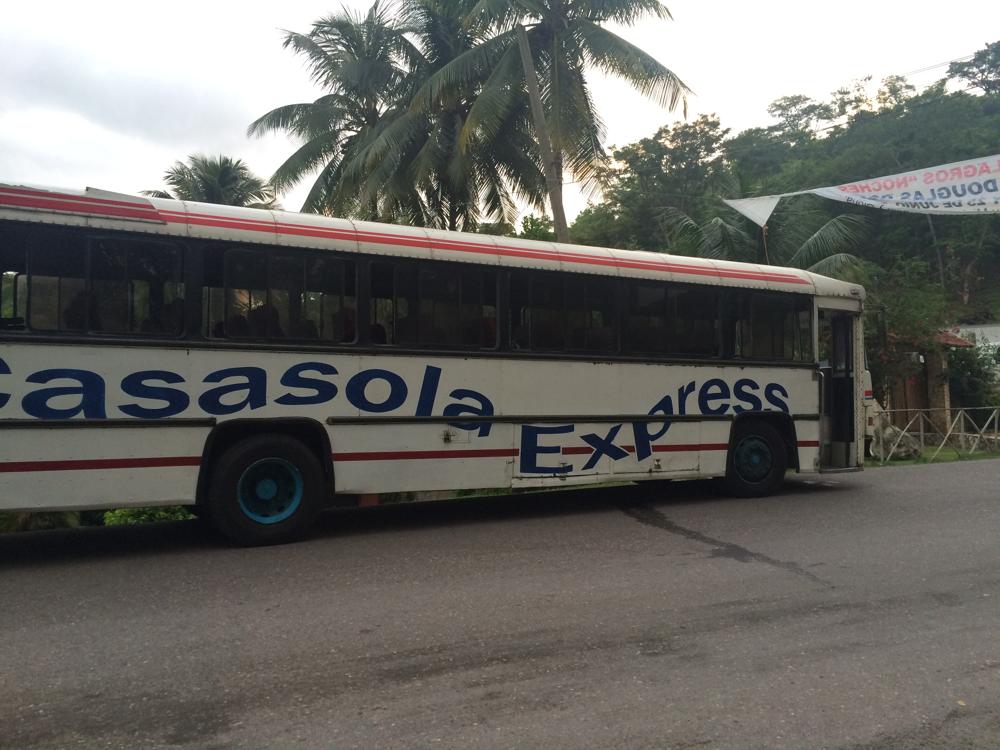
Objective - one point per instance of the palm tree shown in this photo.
(562, 42)
(463, 175)
(378, 157)
(798, 236)
(216, 179)
(363, 62)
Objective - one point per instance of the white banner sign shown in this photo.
(962, 187)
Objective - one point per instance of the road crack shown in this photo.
(651, 517)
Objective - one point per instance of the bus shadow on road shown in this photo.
(180, 537)
(550, 504)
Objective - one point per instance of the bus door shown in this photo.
(837, 438)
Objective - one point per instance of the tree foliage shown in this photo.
(424, 117)
(973, 377)
(378, 156)
(982, 71)
(216, 179)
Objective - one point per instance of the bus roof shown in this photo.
(108, 210)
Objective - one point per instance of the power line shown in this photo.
(938, 65)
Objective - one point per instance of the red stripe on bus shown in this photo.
(581, 450)
(72, 206)
(278, 227)
(413, 455)
(81, 198)
(88, 464)
(426, 243)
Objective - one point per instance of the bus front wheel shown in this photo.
(757, 460)
(266, 489)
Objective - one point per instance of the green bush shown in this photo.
(22, 521)
(126, 516)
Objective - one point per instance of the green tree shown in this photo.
(463, 174)
(972, 377)
(537, 228)
(799, 235)
(679, 167)
(381, 158)
(565, 41)
(904, 312)
(216, 179)
(362, 62)
(982, 71)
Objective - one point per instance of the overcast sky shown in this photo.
(109, 94)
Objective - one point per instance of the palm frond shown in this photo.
(610, 53)
(839, 235)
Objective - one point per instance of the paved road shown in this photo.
(857, 613)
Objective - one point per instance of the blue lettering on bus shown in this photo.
(771, 393)
(358, 383)
(530, 449)
(136, 385)
(158, 394)
(89, 388)
(603, 446)
(744, 390)
(4, 370)
(428, 391)
(483, 408)
(713, 390)
(322, 390)
(644, 439)
(254, 383)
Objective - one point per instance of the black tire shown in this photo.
(757, 460)
(265, 489)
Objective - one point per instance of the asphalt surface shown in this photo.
(858, 612)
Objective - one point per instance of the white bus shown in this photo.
(261, 365)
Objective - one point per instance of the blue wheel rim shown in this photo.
(753, 459)
(270, 490)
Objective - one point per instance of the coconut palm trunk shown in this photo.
(551, 163)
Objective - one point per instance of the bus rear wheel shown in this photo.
(757, 460)
(266, 489)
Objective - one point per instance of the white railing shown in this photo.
(911, 433)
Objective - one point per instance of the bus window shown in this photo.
(432, 305)
(13, 281)
(57, 284)
(329, 302)
(548, 313)
(440, 298)
(771, 326)
(693, 321)
(156, 288)
(381, 313)
(279, 294)
(646, 331)
(519, 306)
(136, 287)
(406, 317)
(592, 314)
(246, 294)
(478, 303)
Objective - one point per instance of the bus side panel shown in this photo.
(98, 467)
(419, 457)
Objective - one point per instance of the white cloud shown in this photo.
(110, 94)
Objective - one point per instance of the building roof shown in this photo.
(953, 340)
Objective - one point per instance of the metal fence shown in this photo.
(924, 433)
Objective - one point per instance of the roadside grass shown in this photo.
(947, 455)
